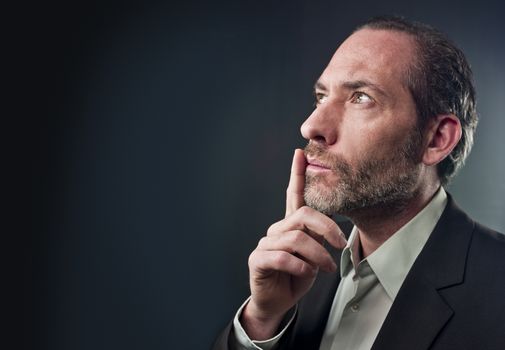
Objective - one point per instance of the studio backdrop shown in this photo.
(164, 150)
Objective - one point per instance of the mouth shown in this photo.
(315, 165)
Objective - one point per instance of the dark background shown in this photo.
(156, 149)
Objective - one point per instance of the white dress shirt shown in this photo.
(368, 288)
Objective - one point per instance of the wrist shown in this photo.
(259, 325)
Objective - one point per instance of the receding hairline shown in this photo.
(407, 32)
(411, 36)
(409, 66)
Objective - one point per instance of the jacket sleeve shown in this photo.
(223, 339)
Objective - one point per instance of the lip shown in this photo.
(314, 164)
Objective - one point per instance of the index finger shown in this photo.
(294, 193)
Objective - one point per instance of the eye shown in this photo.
(360, 98)
(320, 98)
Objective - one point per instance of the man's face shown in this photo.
(364, 144)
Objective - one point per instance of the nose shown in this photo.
(321, 126)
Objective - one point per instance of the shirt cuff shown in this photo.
(242, 340)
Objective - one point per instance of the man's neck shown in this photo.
(376, 225)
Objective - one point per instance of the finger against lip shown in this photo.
(294, 193)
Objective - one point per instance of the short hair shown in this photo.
(440, 81)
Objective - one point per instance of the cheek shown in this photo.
(376, 143)
(352, 135)
(361, 137)
(376, 137)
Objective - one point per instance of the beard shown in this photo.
(384, 183)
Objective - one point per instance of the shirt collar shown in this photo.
(392, 261)
(347, 259)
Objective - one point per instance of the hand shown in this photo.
(285, 263)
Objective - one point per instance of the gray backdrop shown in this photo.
(166, 147)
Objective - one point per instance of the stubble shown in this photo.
(385, 183)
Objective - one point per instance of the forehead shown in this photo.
(380, 56)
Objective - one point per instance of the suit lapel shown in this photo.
(416, 317)
(419, 313)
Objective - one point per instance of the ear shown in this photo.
(443, 134)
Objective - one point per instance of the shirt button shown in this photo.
(355, 307)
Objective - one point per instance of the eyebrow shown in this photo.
(320, 86)
(353, 85)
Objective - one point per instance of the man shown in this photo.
(394, 121)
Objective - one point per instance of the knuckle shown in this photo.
(262, 242)
(251, 259)
(303, 268)
(307, 270)
(297, 237)
(281, 258)
(330, 226)
(305, 210)
(255, 261)
(272, 228)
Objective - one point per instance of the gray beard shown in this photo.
(386, 184)
(358, 193)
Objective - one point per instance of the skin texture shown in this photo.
(364, 126)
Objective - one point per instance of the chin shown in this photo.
(321, 198)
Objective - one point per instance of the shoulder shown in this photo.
(487, 248)
(489, 236)
(482, 239)
(475, 254)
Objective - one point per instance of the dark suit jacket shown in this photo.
(452, 298)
